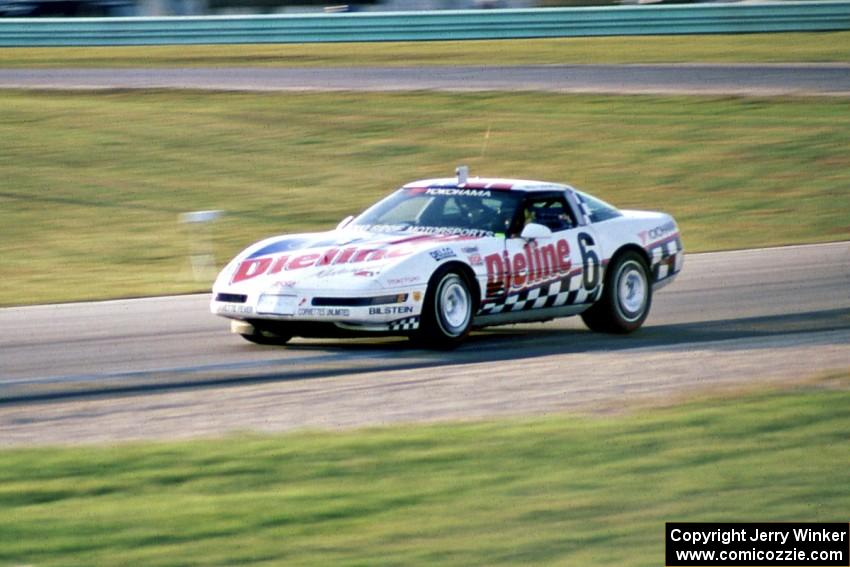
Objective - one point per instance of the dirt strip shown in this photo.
(791, 79)
(588, 383)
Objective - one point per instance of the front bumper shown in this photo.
(387, 310)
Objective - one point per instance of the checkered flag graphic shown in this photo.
(406, 324)
(666, 258)
(565, 291)
(583, 209)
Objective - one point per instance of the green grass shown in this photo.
(558, 490)
(745, 48)
(91, 184)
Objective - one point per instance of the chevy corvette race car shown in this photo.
(439, 257)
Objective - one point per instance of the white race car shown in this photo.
(439, 257)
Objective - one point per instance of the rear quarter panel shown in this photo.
(655, 234)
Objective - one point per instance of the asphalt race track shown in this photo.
(705, 79)
(165, 367)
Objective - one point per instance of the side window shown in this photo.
(451, 207)
(551, 212)
(597, 209)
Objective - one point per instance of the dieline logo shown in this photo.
(535, 264)
(270, 265)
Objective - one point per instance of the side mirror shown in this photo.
(533, 231)
(344, 222)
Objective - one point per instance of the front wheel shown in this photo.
(447, 312)
(626, 297)
(259, 336)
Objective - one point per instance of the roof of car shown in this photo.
(487, 183)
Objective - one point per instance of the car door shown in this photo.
(560, 266)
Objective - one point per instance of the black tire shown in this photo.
(266, 338)
(626, 296)
(447, 312)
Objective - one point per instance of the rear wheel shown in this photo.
(447, 312)
(626, 297)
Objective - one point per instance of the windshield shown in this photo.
(449, 210)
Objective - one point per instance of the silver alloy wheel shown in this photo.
(454, 305)
(632, 290)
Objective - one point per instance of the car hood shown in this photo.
(350, 258)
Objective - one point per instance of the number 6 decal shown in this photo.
(590, 261)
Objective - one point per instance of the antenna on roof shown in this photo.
(486, 139)
(462, 172)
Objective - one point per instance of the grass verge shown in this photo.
(557, 490)
(744, 48)
(91, 184)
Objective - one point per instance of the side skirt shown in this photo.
(530, 315)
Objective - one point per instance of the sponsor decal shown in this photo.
(654, 234)
(533, 265)
(548, 286)
(454, 231)
(345, 270)
(365, 273)
(417, 296)
(447, 192)
(406, 280)
(391, 310)
(236, 309)
(270, 265)
(469, 249)
(324, 312)
(433, 230)
(442, 254)
(475, 259)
